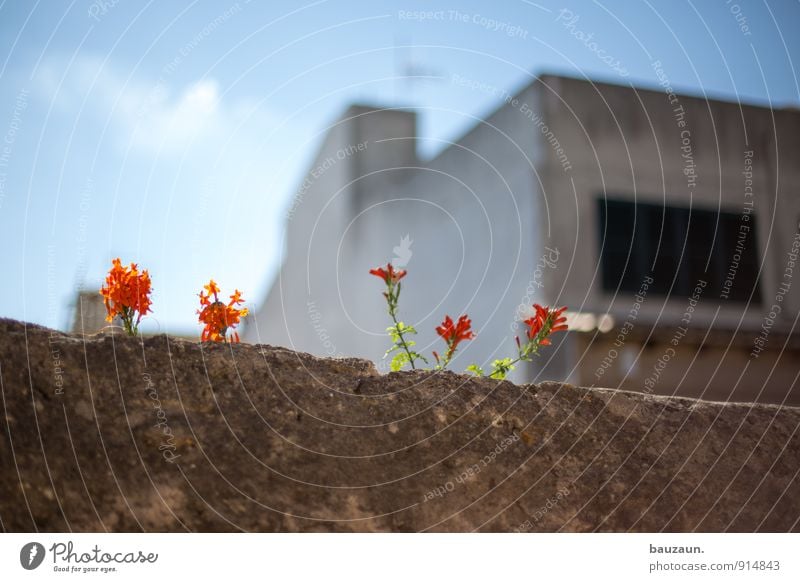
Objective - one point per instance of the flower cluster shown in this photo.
(545, 322)
(453, 334)
(126, 294)
(541, 325)
(219, 317)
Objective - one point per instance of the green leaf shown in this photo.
(501, 368)
(399, 360)
(402, 328)
(475, 369)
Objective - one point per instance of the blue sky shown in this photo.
(174, 134)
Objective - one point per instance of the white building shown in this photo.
(563, 196)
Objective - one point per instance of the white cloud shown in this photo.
(191, 120)
(155, 117)
(184, 136)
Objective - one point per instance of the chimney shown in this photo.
(383, 144)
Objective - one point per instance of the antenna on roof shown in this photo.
(410, 71)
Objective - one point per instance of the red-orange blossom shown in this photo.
(218, 317)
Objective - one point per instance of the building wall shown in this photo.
(302, 310)
(716, 367)
(89, 315)
(629, 145)
(506, 216)
(471, 214)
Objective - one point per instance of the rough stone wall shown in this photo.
(161, 434)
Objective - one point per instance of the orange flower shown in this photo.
(545, 322)
(126, 294)
(218, 317)
(453, 334)
(389, 275)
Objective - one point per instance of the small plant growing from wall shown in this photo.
(540, 326)
(401, 333)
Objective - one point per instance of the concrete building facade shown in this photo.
(668, 224)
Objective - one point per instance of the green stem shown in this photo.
(520, 358)
(127, 321)
(447, 357)
(391, 299)
(532, 347)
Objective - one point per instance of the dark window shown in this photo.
(677, 247)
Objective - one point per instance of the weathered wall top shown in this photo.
(158, 434)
